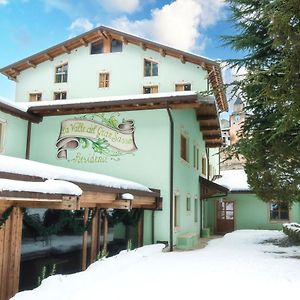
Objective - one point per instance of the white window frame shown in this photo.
(3, 127)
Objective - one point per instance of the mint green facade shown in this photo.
(148, 165)
(126, 71)
(250, 212)
(15, 135)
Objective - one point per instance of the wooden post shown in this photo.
(94, 237)
(141, 229)
(99, 231)
(105, 233)
(10, 254)
(84, 240)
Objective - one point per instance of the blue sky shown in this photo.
(29, 26)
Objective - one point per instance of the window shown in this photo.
(104, 80)
(279, 211)
(150, 89)
(194, 156)
(184, 147)
(116, 46)
(97, 47)
(196, 210)
(176, 211)
(2, 134)
(204, 166)
(60, 95)
(197, 158)
(183, 87)
(33, 97)
(61, 73)
(188, 203)
(150, 68)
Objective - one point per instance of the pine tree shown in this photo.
(269, 35)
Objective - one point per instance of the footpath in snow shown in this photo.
(241, 265)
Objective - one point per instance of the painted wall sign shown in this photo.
(105, 136)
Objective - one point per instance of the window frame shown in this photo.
(105, 81)
(188, 203)
(185, 157)
(180, 87)
(176, 211)
(59, 92)
(111, 45)
(3, 128)
(203, 166)
(280, 211)
(37, 95)
(62, 74)
(152, 63)
(151, 87)
(101, 41)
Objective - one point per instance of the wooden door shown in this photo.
(225, 216)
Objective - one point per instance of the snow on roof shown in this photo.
(26, 105)
(48, 187)
(31, 168)
(12, 104)
(234, 180)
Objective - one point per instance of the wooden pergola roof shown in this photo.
(102, 32)
(93, 196)
(210, 188)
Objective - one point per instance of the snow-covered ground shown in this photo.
(237, 266)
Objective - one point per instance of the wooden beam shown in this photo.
(31, 64)
(143, 46)
(124, 40)
(83, 42)
(105, 233)
(48, 56)
(162, 52)
(94, 235)
(182, 59)
(99, 231)
(106, 35)
(84, 241)
(65, 49)
(66, 203)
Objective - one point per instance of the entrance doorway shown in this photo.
(225, 216)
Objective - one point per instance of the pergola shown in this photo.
(93, 196)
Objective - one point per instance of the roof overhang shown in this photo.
(10, 109)
(206, 109)
(210, 188)
(102, 32)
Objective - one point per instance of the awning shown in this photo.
(209, 188)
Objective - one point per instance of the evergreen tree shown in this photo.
(268, 32)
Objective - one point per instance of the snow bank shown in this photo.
(234, 180)
(48, 187)
(292, 230)
(28, 167)
(240, 265)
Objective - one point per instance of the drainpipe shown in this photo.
(171, 175)
(27, 153)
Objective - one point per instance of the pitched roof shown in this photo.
(212, 67)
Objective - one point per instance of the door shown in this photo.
(225, 216)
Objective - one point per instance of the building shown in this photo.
(107, 102)
(236, 120)
(241, 208)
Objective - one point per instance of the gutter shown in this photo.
(171, 176)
